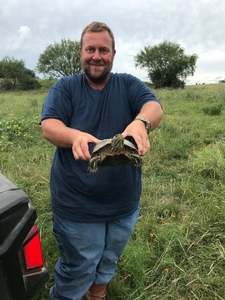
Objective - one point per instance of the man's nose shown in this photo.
(97, 55)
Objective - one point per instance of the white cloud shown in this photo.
(19, 42)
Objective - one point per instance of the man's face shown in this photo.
(97, 55)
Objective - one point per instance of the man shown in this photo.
(94, 214)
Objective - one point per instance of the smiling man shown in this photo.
(97, 55)
(94, 215)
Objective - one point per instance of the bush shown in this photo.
(14, 75)
(210, 161)
(6, 85)
(29, 83)
(213, 110)
(17, 132)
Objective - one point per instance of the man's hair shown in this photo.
(97, 27)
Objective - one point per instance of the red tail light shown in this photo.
(32, 251)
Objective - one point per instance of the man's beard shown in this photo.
(100, 77)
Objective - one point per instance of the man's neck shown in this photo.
(97, 85)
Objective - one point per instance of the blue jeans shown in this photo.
(89, 254)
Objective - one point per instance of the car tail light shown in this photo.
(32, 252)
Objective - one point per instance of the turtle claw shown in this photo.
(136, 160)
(93, 164)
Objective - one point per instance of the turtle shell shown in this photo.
(113, 152)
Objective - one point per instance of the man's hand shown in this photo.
(80, 145)
(57, 133)
(151, 111)
(137, 130)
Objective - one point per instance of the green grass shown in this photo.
(177, 250)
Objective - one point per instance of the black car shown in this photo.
(22, 271)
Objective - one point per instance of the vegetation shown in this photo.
(166, 64)
(177, 250)
(60, 59)
(14, 74)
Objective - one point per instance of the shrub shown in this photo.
(17, 132)
(6, 84)
(213, 110)
(210, 161)
(29, 83)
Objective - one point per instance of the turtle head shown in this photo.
(117, 142)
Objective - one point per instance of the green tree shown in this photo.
(11, 71)
(14, 74)
(60, 59)
(166, 64)
(28, 81)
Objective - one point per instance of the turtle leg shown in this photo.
(136, 160)
(93, 164)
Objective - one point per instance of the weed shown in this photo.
(209, 161)
(213, 109)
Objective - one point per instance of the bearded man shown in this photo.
(94, 215)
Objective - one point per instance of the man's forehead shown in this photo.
(97, 37)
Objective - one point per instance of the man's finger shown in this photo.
(85, 150)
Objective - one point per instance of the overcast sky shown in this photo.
(27, 27)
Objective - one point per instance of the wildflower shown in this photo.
(151, 235)
(173, 216)
(166, 270)
(163, 221)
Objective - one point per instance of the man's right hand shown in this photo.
(80, 145)
(57, 133)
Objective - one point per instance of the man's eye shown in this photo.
(90, 50)
(104, 51)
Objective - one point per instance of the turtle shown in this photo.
(113, 152)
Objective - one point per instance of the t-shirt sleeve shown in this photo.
(139, 94)
(58, 103)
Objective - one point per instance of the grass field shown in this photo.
(178, 248)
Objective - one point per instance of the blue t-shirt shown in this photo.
(113, 192)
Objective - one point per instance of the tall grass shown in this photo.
(177, 250)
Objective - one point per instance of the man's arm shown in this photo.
(57, 133)
(151, 111)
